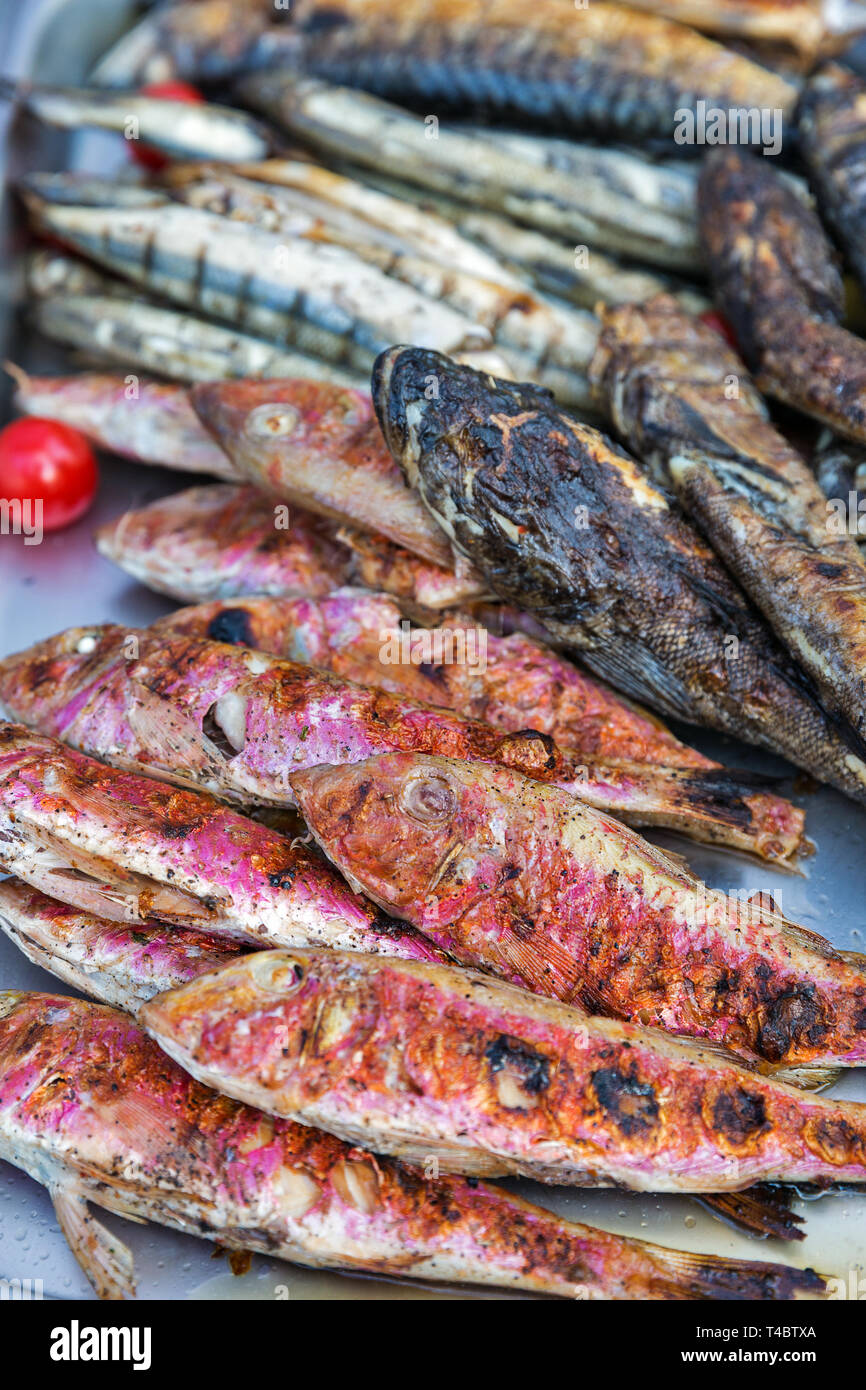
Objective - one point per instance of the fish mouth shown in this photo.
(401, 389)
(384, 399)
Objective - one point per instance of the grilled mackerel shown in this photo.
(238, 723)
(429, 1061)
(130, 849)
(130, 1132)
(601, 69)
(560, 521)
(775, 277)
(221, 541)
(516, 878)
(683, 401)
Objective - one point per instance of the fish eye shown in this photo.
(272, 421)
(428, 798)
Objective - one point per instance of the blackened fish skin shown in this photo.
(603, 69)
(831, 120)
(683, 400)
(775, 276)
(560, 520)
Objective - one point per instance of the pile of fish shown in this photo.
(345, 849)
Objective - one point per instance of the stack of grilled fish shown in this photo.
(341, 849)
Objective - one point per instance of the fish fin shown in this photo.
(106, 1261)
(684, 1275)
(761, 1210)
(808, 1077)
(856, 959)
(172, 738)
(804, 939)
(545, 966)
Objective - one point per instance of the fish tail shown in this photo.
(686, 1275)
(761, 1210)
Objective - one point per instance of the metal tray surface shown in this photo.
(63, 581)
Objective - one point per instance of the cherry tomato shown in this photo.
(720, 325)
(48, 462)
(172, 91)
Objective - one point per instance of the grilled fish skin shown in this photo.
(516, 878)
(521, 683)
(545, 341)
(832, 132)
(130, 849)
(602, 69)
(562, 523)
(840, 467)
(775, 276)
(420, 1060)
(320, 299)
(124, 967)
(150, 423)
(185, 130)
(344, 124)
(220, 541)
(319, 446)
(132, 1133)
(810, 26)
(134, 333)
(203, 40)
(115, 964)
(666, 380)
(238, 723)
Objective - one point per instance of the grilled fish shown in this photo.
(510, 681)
(776, 278)
(130, 1132)
(238, 723)
(205, 40)
(126, 966)
(183, 130)
(220, 541)
(479, 169)
(832, 133)
(683, 401)
(422, 1060)
(514, 877)
(545, 342)
(320, 447)
(117, 964)
(321, 300)
(134, 333)
(130, 849)
(560, 521)
(840, 467)
(601, 69)
(810, 26)
(143, 420)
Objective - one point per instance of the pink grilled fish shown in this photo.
(422, 1060)
(149, 421)
(129, 849)
(90, 1107)
(221, 541)
(320, 447)
(512, 682)
(515, 877)
(240, 722)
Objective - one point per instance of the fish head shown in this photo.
(424, 836)
(264, 425)
(41, 684)
(441, 420)
(256, 1015)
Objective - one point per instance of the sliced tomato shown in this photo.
(48, 463)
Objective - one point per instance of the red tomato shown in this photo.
(48, 462)
(720, 325)
(172, 91)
